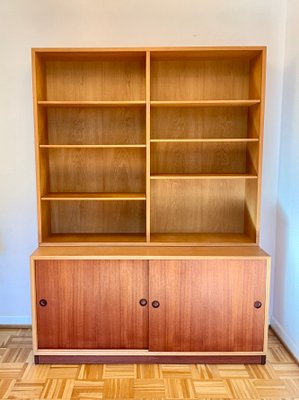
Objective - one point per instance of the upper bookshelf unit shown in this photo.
(149, 146)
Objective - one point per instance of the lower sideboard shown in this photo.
(150, 305)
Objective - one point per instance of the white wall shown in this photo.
(34, 23)
(285, 317)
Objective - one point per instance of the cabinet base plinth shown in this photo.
(208, 359)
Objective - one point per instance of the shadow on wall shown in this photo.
(279, 275)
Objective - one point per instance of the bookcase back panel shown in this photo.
(198, 122)
(97, 170)
(195, 158)
(116, 125)
(97, 217)
(95, 80)
(199, 79)
(198, 206)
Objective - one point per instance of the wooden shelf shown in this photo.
(202, 238)
(203, 176)
(91, 146)
(85, 238)
(214, 140)
(205, 103)
(66, 103)
(94, 196)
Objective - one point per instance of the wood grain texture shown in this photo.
(149, 253)
(106, 125)
(197, 206)
(77, 315)
(94, 217)
(197, 158)
(207, 305)
(95, 80)
(97, 170)
(94, 239)
(199, 80)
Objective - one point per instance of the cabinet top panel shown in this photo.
(148, 253)
(159, 52)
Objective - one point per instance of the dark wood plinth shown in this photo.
(48, 359)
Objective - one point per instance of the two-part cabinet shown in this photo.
(148, 165)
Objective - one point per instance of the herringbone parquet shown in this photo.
(21, 379)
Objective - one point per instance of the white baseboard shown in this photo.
(15, 320)
(288, 341)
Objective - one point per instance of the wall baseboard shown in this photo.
(14, 320)
(286, 340)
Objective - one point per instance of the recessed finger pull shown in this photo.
(43, 302)
(155, 304)
(258, 304)
(143, 302)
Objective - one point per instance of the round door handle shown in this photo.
(257, 304)
(43, 302)
(143, 302)
(155, 304)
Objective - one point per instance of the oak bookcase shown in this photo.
(140, 150)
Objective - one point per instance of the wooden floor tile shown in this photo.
(271, 389)
(118, 388)
(57, 389)
(119, 371)
(213, 389)
(63, 371)
(21, 379)
(176, 388)
(148, 388)
(88, 389)
(176, 371)
(149, 371)
(242, 389)
(90, 372)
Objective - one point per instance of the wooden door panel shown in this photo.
(92, 304)
(207, 305)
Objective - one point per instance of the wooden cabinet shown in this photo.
(148, 165)
(158, 303)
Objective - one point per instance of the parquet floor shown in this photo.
(21, 379)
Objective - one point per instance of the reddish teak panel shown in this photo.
(92, 304)
(207, 305)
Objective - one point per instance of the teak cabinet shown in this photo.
(148, 187)
(130, 304)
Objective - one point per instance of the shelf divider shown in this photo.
(148, 144)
